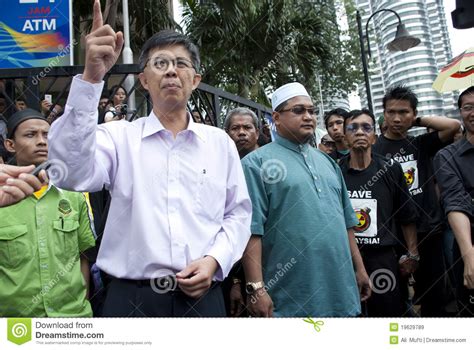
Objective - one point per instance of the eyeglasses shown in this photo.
(300, 110)
(467, 109)
(161, 63)
(328, 143)
(353, 127)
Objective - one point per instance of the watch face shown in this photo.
(249, 289)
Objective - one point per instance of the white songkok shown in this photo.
(287, 91)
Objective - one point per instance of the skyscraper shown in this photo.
(416, 68)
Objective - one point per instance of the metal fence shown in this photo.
(32, 84)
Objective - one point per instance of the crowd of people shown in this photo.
(166, 216)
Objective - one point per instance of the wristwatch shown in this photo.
(417, 121)
(252, 287)
(413, 257)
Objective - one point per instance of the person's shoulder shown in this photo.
(451, 149)
(261, 154)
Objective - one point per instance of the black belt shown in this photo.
(161, 285)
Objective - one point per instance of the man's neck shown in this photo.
(174, 121)
(243, 153)
(360, 159)
(391, 136)
(470, 137)
(341, 146)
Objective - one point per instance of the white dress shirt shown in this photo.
(173, 200)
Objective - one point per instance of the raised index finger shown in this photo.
(97, 20)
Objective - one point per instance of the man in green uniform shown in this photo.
(42, 270)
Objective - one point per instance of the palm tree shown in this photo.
(249, 46)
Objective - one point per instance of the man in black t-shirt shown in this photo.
(415, 154)
(380, 198)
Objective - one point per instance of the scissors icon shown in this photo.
(316, 324)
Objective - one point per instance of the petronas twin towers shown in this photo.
(416, 68)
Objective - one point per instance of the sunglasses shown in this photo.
(353, 127)
(328, 143)
(300, 110)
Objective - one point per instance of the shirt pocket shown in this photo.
(15, 248)
(209, 196)
(67, 247)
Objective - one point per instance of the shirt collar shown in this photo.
(42, 192)
(153, 126)
(290, 144)
(465, 146)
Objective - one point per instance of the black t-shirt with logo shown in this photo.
(380, 198)
(415, 156)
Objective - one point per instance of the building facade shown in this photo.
(416, 68)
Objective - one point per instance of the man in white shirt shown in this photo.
(180, 212)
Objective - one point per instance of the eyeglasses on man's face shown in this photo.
(162, 63)
(353, 127)
(467, 109)
(300, 110)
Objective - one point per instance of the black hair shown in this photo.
(401, 93)
(167, 38)
(468, 91)
(341, 112)
(357, 113)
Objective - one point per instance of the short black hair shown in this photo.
(20, 99)
(468, 91)
(341, 112)
(400, 92)
(357, 113)
(167, 38)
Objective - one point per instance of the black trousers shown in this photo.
(465, 297)
(431, 288)
(127, 298)
(381, 264)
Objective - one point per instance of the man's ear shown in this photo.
(10, 145)
(196, 80)
(276, 118)
(143, 80)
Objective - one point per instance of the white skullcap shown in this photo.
(287, 91)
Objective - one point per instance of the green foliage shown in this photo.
(251, 47)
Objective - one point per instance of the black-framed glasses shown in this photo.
(467, 109)
(353, 127)
(300, 110)
(161, 63)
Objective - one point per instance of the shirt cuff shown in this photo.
(85, 96)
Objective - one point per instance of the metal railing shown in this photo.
(32, 84)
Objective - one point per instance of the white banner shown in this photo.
(229, 333)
